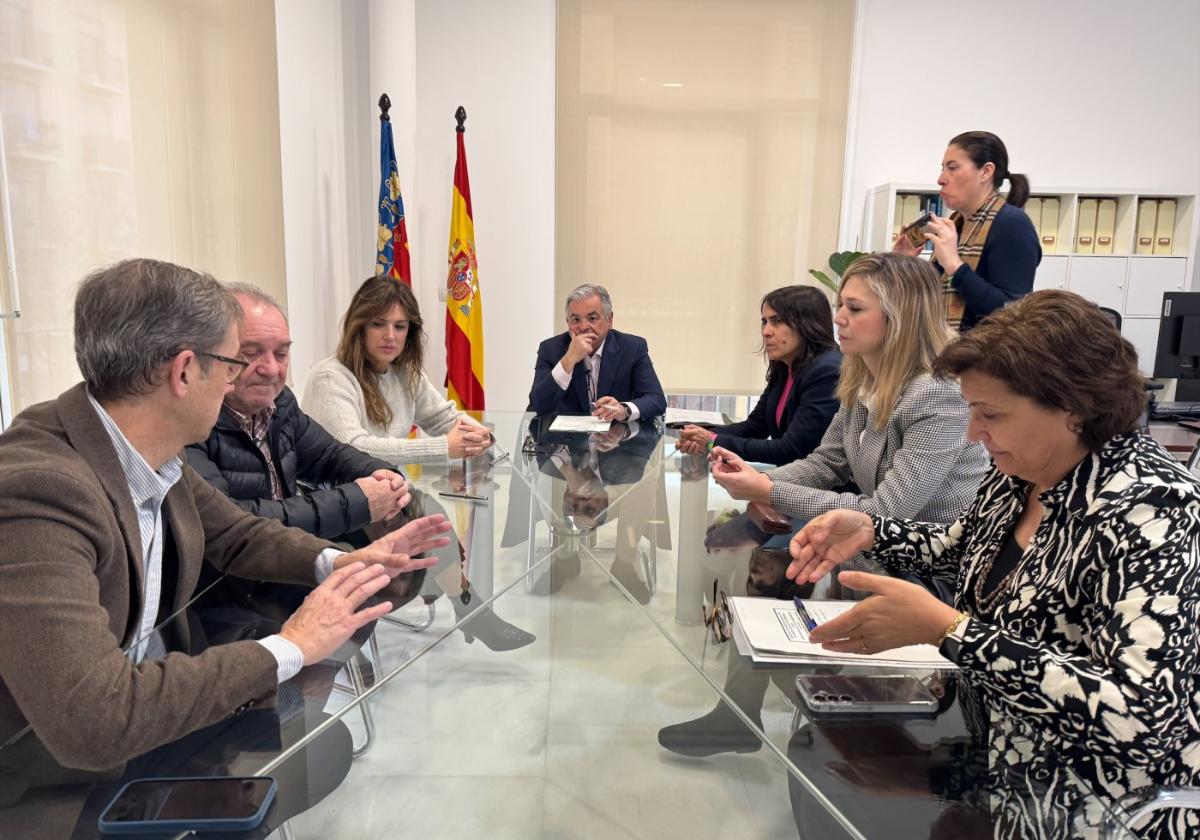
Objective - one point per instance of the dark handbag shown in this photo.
(767, 519)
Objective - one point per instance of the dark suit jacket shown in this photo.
(806, 415)
(70, 568)
(1006, 267)
(626, 374)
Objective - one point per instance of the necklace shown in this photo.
(987, 601)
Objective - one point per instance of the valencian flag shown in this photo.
(391, 258)
(464, 304)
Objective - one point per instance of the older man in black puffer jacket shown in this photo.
(263, 447)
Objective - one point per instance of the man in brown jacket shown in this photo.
(103, 529)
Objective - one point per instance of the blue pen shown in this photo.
(808, 619)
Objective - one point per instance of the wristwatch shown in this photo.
(951, 646)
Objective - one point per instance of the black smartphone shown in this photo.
(220, 803)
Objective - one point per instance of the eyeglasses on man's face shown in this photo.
(236, 366)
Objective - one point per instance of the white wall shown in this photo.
(327, 128)
(497, 61)
(1083, 92)
(430, 56)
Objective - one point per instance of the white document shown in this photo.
(688, 415)
(579, 423)
(774, 629)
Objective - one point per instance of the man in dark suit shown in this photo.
(594, 369)
(104, 526)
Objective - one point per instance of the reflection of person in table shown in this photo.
(606, 473)
(1077, 612)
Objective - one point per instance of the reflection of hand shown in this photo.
(739, 479)
(826, 541)
(694, 440)
(901, 613)
(609, 440)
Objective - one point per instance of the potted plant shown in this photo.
(839, 261)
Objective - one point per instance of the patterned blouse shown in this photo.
(1090, 663)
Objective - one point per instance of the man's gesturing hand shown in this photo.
(396, 550)
(330, 615)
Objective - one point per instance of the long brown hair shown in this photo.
(374, 299)
(915, 331)
(806, 310)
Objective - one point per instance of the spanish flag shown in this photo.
(464, 303)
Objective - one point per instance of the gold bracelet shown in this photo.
(958, 619)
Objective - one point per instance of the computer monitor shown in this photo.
(1178, 355)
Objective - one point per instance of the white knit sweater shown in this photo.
(334, 399)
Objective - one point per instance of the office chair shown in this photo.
(1113, 315)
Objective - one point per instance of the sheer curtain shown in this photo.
(699, 154)
(131, 128)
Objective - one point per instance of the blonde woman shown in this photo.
(897, 445)
(375, 390)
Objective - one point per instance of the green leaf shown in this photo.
(842, 260)
(824, 279)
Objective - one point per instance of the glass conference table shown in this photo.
(530, 689)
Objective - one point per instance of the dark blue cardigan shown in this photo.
(806, 415)
(1006, 267)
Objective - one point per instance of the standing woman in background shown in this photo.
(988, 249)
(791, 416)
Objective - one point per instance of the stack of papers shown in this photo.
(675, 416)
(579, 423)
(771, 631)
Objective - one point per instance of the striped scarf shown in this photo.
(973, 233)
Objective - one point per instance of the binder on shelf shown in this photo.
(1164, 227)
(1147, 218)
(898, 216)
(1085, 231)
(1033, 209)
(912, 209)
(1048, 229)
(1106, 220)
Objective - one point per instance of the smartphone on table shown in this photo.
(212, 803)
(887, 694)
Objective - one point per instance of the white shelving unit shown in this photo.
(1130, 283)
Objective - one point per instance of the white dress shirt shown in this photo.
(148, 488)
(592, 364)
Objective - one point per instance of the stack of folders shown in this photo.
(1155, 226)
(1096, 227)
(774, 632)
(911, 206)
(1043, 212)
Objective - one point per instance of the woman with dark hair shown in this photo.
(988, 249)
(1076, 618)
(794, 411)
(375, 390)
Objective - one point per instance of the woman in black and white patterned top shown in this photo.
(1077, 614)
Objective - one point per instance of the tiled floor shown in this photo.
(557, 739)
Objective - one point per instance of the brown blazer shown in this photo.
(70, 569)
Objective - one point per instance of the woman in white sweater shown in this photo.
(371, 394)
(374, 390)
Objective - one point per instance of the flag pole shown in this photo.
(461, 117)
(384, 105)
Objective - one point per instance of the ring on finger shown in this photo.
(862, 640)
